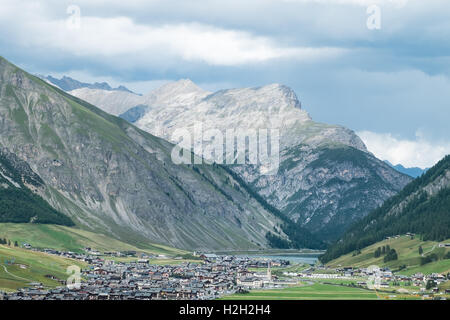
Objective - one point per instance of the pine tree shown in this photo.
(391, 255)
(430, 284)
(377, 252)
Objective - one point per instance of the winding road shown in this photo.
(423, 254)
(6, 270)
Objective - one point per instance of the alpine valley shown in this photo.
(106, 175)
(87, 180)
(224, 150)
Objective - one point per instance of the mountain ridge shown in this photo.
(68, 84)
(410, 171)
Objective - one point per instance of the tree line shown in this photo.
(386, 251)
(22, 206)
(18, 204)
(7, 242)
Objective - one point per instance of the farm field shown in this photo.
(315, 291)
(329, 290)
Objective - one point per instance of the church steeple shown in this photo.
(269, 272)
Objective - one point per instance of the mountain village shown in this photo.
(106, 279)
(212, 277)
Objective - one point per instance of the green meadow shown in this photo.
(407, 249)
(315, 291)
(19, 267)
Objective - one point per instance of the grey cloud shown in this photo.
(390, 80)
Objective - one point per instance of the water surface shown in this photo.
(292, 258)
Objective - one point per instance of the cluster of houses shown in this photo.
(408, 234)
(106, 279)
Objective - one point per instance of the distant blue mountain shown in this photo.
(68, 84)
(412, 172)
(134, 114)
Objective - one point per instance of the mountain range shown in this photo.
(326, 178)
(117, 177)
(412, 172)
(68, 84)
(110, 177)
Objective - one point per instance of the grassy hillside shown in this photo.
(407, 249)
(73, 239)
(19, 267)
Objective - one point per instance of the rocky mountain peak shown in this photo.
(181, 92)
(272, 99)
(325, 180)
(181, 86)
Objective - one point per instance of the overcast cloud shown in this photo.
(387, 84)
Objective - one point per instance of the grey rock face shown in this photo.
(14, 164)
(327, 188)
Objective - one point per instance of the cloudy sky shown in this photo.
(390, 84)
